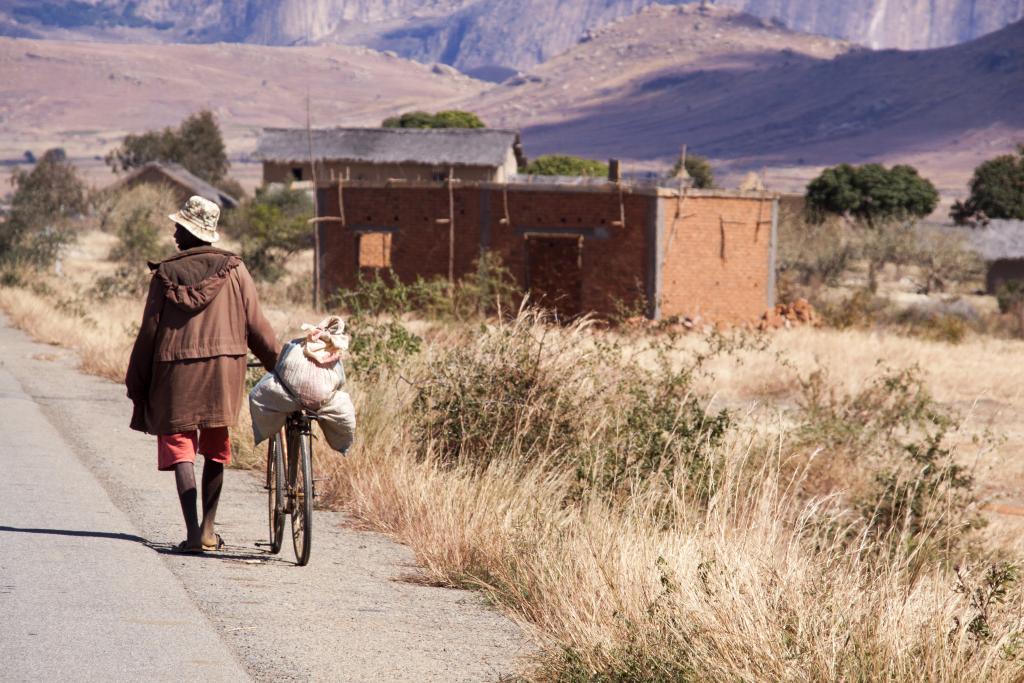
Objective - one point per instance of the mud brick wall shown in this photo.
(613, 271)
(717, 265)
(613, 267)
(419, 244)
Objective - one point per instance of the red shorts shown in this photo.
(212, 443)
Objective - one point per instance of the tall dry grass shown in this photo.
(659, 574)
(753, 583)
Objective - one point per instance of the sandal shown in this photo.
(216, 546)
(188, 549)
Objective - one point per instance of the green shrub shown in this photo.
(384, 293)
(561, 164)
(271, 227)
(138, 217)
(488, 288)
(698, 168)
(664, 431)
(517, 393)
(196, 144)
(917, 495)
(508, 395)
(997, 191)
(44, 202)
(378, 347)
(452, 118)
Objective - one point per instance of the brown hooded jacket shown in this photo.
(187, 369)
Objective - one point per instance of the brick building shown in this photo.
(379, 155)
(707, 254)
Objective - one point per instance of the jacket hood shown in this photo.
(194, 277)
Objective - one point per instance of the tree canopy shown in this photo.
(271, 227)
(871, 193)
(562, 164)
(43, 199)
(451, 118)
(699, 169)
(196, 144)
(997, 190)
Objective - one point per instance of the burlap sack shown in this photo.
(312, 383)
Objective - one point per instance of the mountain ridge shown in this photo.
(472, 34)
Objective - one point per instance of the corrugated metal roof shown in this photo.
(435, 146)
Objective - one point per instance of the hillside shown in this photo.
(85, 96)
(751, 96)
(471, 34)
(755, 97)
(906, 24)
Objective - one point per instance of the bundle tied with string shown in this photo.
(310, 367)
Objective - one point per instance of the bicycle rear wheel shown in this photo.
(301, 476)
(275, 492)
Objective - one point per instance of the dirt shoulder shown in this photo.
(348, 616)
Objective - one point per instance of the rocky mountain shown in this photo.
(476, 34)
(747, 93)
(754, 97)
(905, 24)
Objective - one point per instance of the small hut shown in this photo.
(183, 182)
(1001, 245)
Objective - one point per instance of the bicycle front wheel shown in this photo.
(300, 457)
(275, 492)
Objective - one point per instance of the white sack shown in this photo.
(270, 404)
(337, 420)
(312, 383)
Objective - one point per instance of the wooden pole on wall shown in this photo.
(451, 226)
(316, 211)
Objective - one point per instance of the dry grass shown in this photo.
(739, 593)
(750, 584)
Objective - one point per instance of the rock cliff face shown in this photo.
(906, 24)
(475, 33)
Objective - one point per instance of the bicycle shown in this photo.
(294, 495)
(292, 491)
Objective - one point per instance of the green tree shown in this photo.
(561, 164)
(699, 169)
(880, 202)
(997, 191)
(871, 193)
(452, 118)
(44, 200)
(271, 227)
(196, 144)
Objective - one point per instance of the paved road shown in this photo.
(88, 589)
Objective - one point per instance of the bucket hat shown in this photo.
(199, 216)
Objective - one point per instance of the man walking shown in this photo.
(186, 374)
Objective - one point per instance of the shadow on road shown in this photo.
(226, 553)
(72, 532)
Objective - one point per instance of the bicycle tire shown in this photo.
(301, 477)
(275, 492)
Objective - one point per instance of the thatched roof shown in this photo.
(434, 146)
(1000, 239)
(182, 176)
